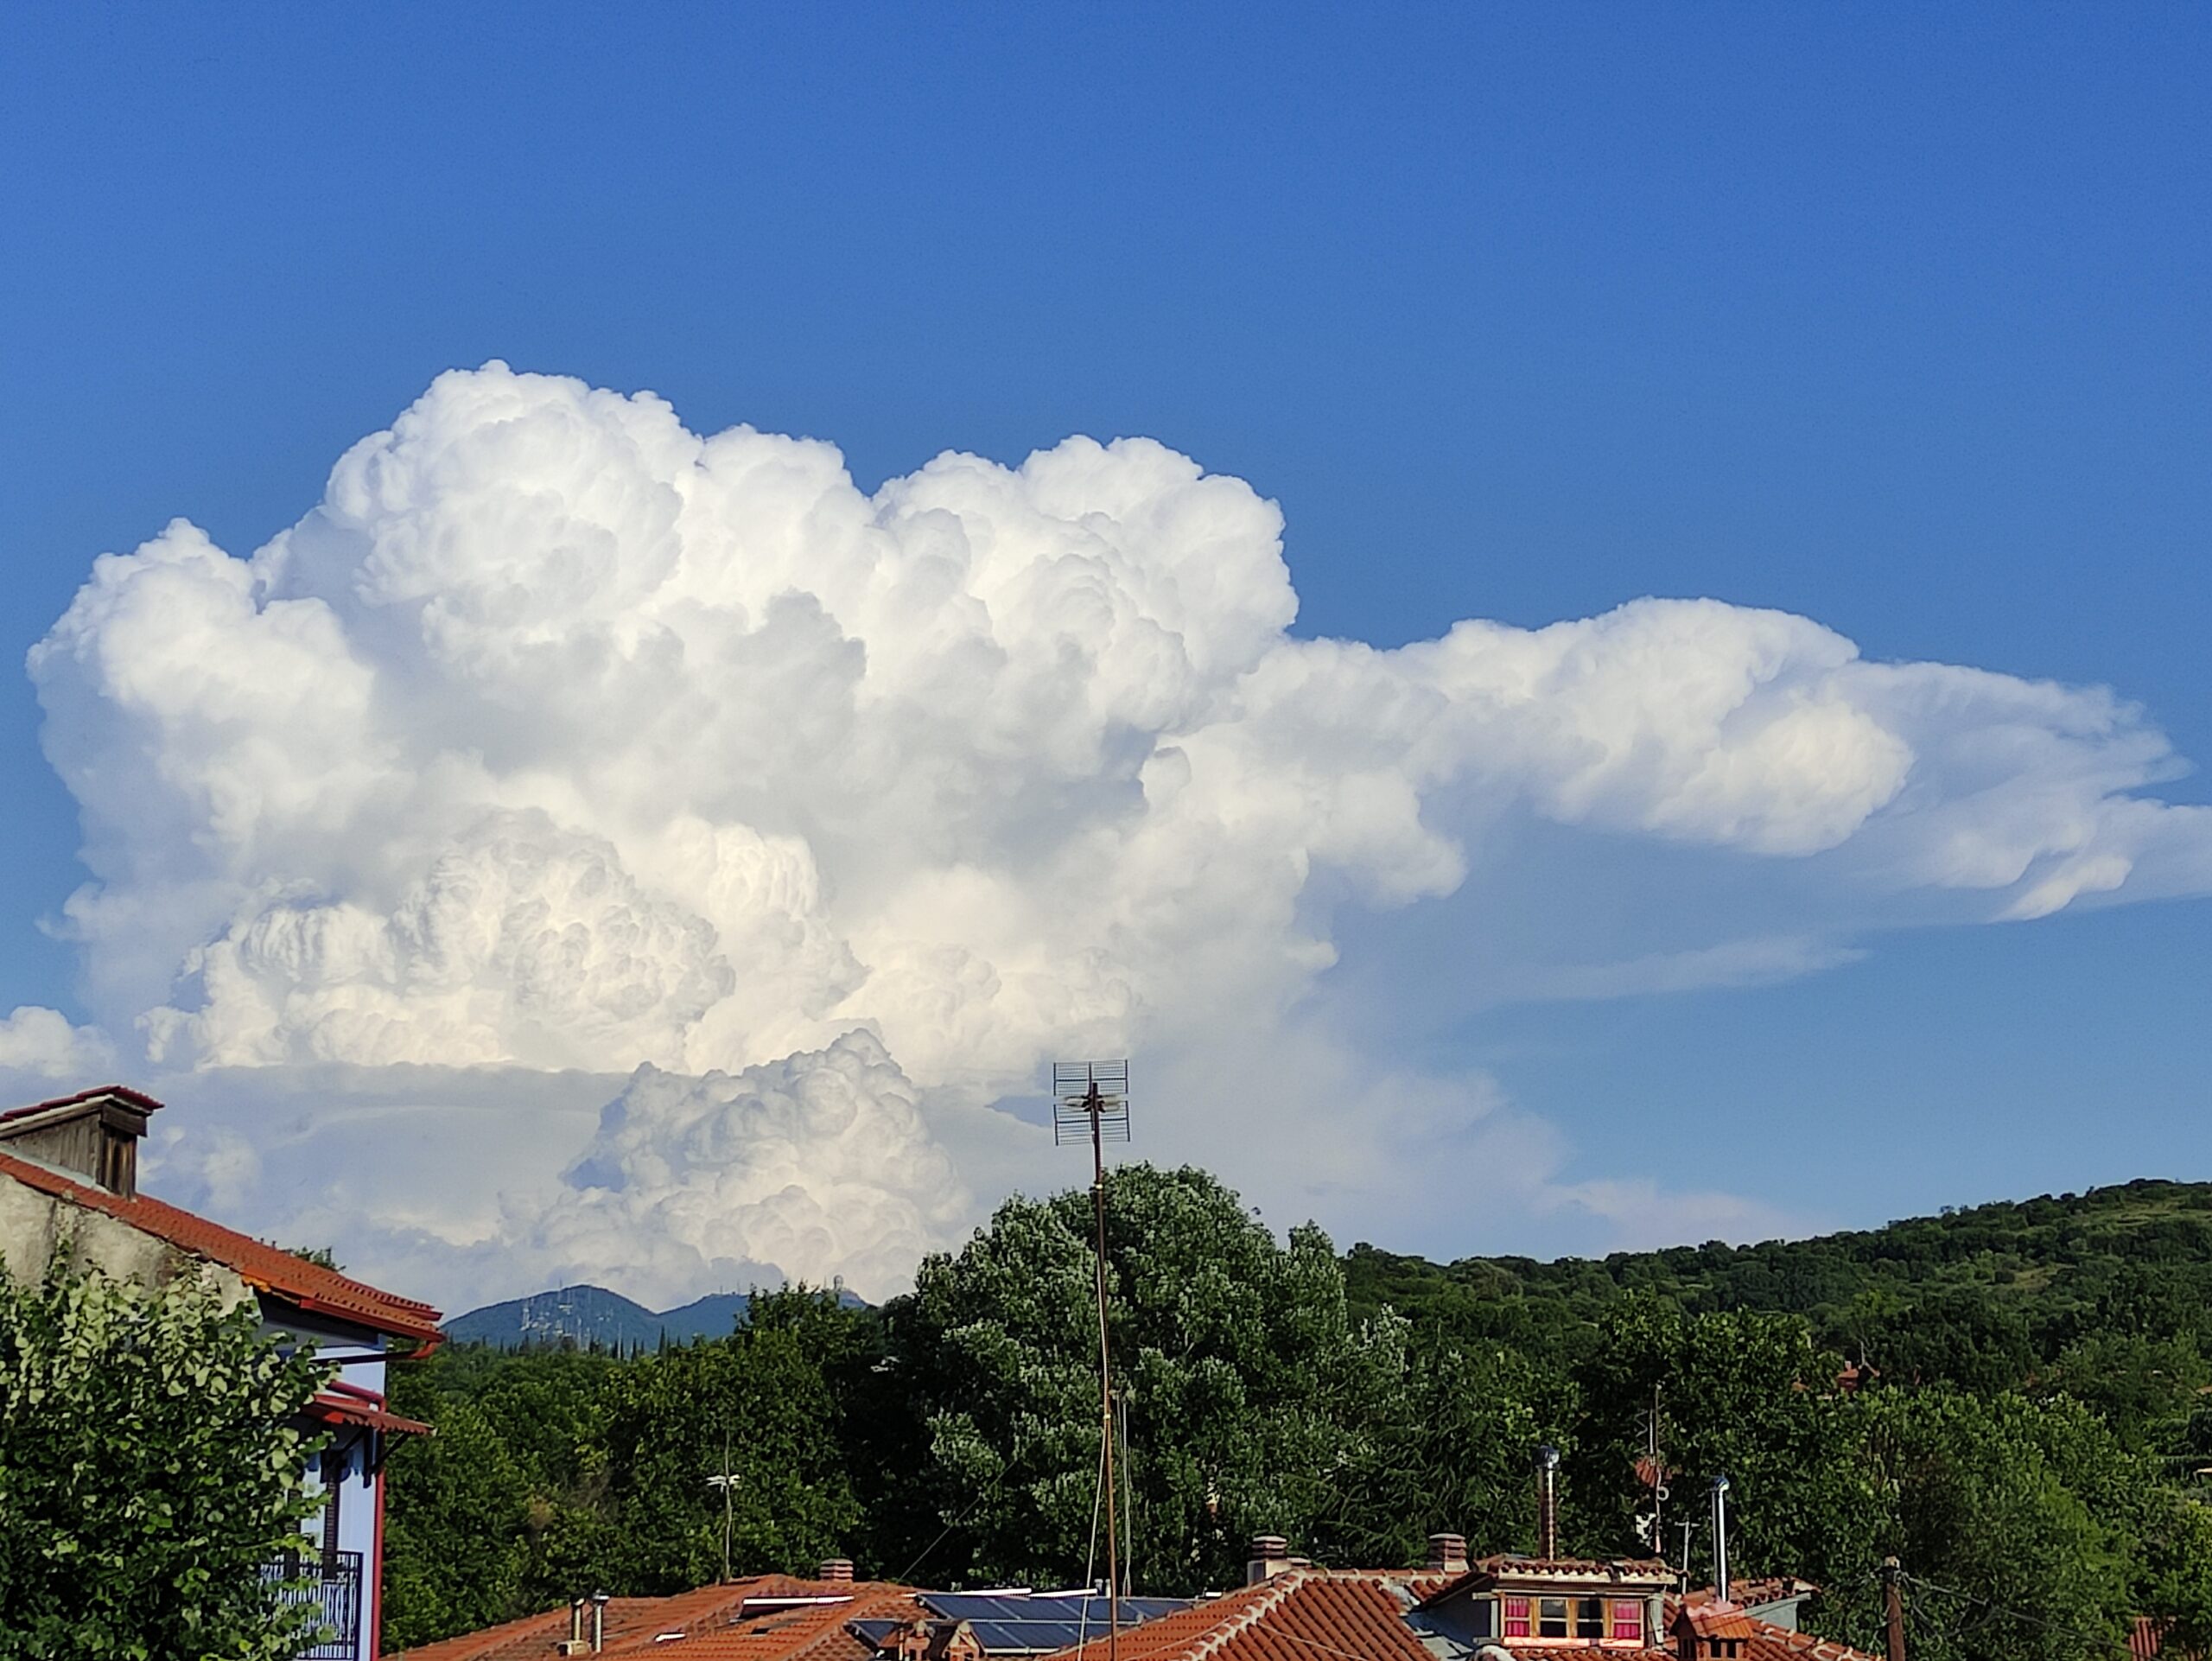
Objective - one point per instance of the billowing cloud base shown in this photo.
(560, 737)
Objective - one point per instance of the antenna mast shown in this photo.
(1093, 1098)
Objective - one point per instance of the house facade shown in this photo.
(68, 1178)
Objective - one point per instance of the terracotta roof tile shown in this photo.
(712, 1619)
(310, 1286)
(1505, 1565)
(806, 1633)
(1770, 1588)
(342, 1409)
(137, 1098)
(1302, 1615)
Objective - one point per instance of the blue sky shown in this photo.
(1892, 317)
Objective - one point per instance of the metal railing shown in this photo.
(328, 1585)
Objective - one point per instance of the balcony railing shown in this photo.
(329, 1585)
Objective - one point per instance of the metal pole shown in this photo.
(1893, 1602)
(1105, 1382)
(1720, 1538)
(1658, 1483)
(726, 1503)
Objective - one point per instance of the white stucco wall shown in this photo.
(33, 1226)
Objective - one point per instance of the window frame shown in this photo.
(1564, 1618)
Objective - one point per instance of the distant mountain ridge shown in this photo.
(585, 1315)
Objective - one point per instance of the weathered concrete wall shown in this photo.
(35, 1225)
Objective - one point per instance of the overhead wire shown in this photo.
(2115, 1645)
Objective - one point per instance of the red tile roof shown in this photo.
(1717, 1620)
(1771, 1588)
(1302, 1614)
(713, 1620)
(340, 1409)
(137, 1098)
(1505, 1565)
(2146, 1639)
(805, 1633)
(310, 1287)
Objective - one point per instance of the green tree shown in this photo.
(1253, 1401)
(483, 1520)
(2014, 1520)
(149, 1472)
(758, 1398)
(1740, 1394)
(455, 1550)
(1461, 1457)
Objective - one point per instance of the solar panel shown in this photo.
(1025, 1636)
(874, 1633)
(1044, 1605)
(1007, 1623)
(986, 1606)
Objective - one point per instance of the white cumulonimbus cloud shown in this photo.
(559, 736)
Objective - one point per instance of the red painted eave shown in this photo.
(311, 1287)
(336, 1409)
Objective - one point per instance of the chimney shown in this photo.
(1720, 1538)
(1547, 1503)
(835, 1568)
(576, 1643)
(1270, 1556)
(1447, 1554)
(93, 1135)
(597, 1622)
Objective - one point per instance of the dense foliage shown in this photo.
(2009, 1399)
(147, 1474)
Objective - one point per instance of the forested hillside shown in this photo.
(1977, 1295)
(2024, 1426)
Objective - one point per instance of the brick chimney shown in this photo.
(92, 1134)
(1270, 1556)
(835, 1568)
(1447, 1554)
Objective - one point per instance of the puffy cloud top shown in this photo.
(560, 736)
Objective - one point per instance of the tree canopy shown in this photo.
(149, 1475)
(2027, 1457)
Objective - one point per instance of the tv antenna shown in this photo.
(1092, 1097)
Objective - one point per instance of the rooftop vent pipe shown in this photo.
(1548, 1503)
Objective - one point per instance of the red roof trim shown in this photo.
(137, 1098)
(333, 1410)
(312, 1288)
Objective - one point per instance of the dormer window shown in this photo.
(1580, 1619)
